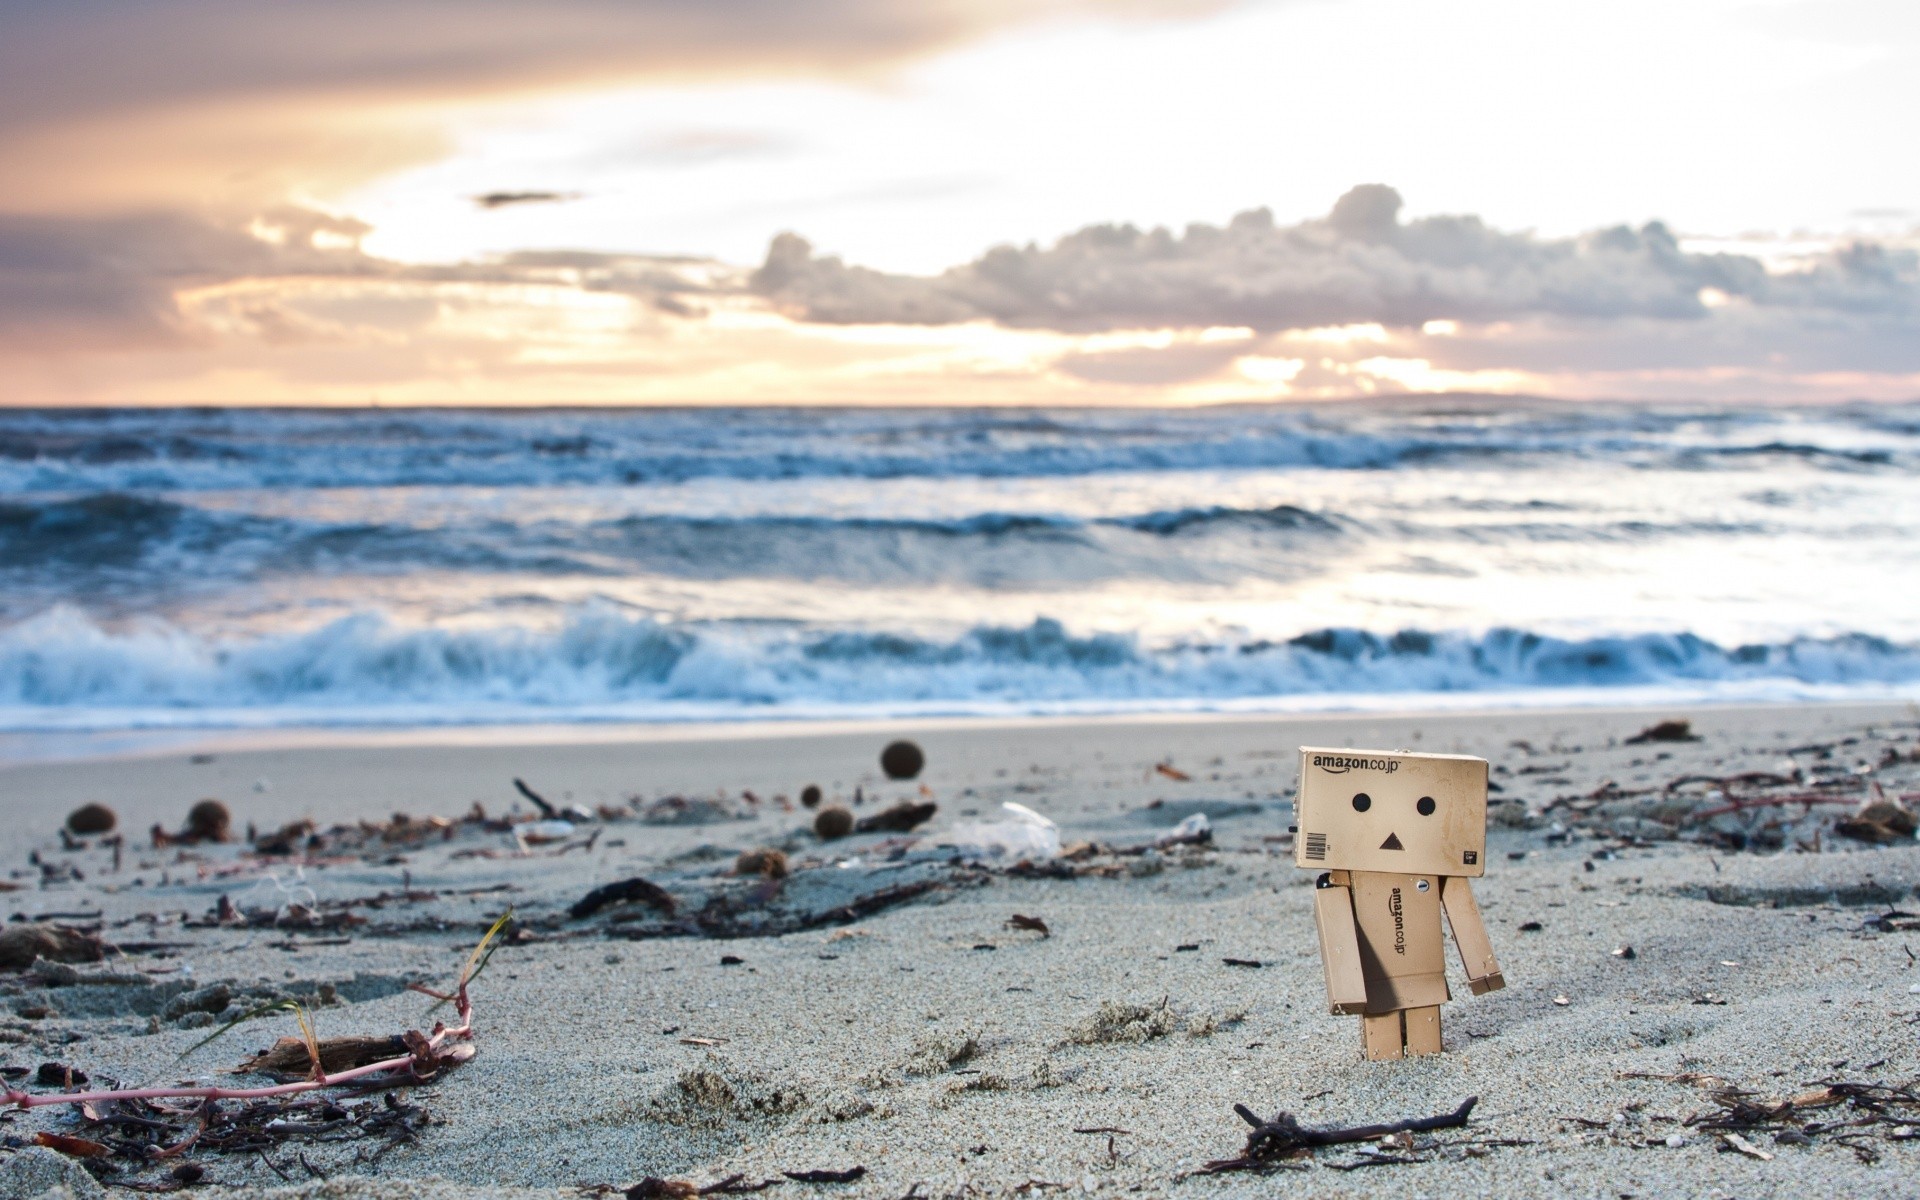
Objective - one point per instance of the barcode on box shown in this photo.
(1317, 846)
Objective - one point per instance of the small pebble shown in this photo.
(810, 795)
(209, 821)
(834, 822)
(902, 760)
(92, 818)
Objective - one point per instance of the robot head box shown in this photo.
(1382, 810)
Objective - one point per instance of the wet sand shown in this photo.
(923, 1039)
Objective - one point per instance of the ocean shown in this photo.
(249, 568)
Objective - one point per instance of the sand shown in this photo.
(940, 1049)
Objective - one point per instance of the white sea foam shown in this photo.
(62, 670)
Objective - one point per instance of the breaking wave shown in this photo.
(61, 669)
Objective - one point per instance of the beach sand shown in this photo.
(949, 1054)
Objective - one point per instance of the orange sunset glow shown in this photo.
(1074, 202)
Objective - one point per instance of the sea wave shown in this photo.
(172, 450)
(63, 669)
(68, 546)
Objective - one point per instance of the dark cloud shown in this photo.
(61, 60)
(492, 200)
(111, 282)
(1359, 264)
(68, 282)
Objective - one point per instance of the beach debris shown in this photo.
(540, 833)
(626, 891)
(1627, 952)
(1243, 962)
(1030, 924)
(1193, 830)
(1172, 772)
(825, 1176)
(293, 1058)
(20, 945)
(1840, 1112)
(1879, 821)
(684, 810)
(766, 861)
(90, 819)
(1272, 1143)
(1023, 835)
(902, 760)
(286, 840)
(1164, 812)
(540, 802)
(1665, 731)
(1736, 1142)
(901, 818)
(810, 796)
(833, 822)
(72, 1147)
(148, 1127)
(209, 821)
(652, 1188)
(59, 1075)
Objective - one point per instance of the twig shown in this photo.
(273, 1166)
(1375, 1160)
(1283, 1136)
(540, 802)
(846, 1176)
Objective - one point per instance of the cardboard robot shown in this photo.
(1396, 836)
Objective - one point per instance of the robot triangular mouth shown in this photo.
(1392, 843)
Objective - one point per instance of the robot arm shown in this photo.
(1339, 944)
(1470, 935)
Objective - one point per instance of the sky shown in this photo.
(952, 202)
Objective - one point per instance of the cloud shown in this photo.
(492, 200)
(79, 282)
(1359, 264)
(115, 283)
(62, 59)
(185, 98)
(1360, 301)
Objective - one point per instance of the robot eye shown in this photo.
(1425, 806)
(1362, 802)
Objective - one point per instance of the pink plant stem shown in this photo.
(439, 1038)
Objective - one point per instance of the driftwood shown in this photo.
(901, 818)
(644, 890)
(20, 945)
(1271, 1142)
(290, 1057)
